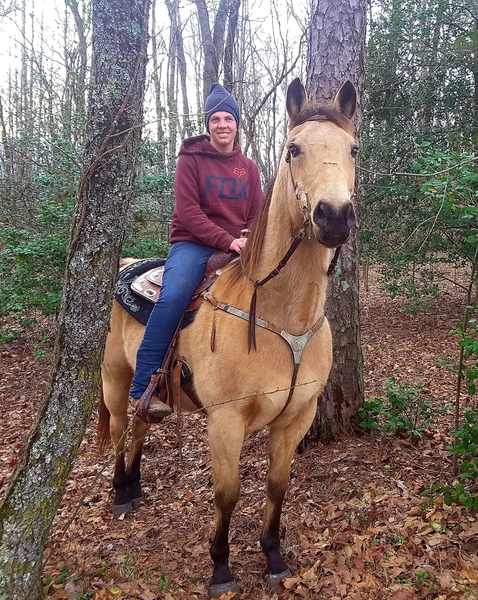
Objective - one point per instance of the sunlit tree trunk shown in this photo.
(120, 34)
(336, 53)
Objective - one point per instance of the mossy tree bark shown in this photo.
(337, 53)
(113, 138)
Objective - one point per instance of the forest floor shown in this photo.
(355, 523)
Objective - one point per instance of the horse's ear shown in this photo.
(296, 98)
(346, 100)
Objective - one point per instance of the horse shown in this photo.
(259, 347)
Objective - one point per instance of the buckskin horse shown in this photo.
(260, 346)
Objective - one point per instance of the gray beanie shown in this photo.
(220, 99)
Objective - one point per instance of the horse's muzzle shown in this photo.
(334, 224)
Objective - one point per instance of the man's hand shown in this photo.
(238, 244)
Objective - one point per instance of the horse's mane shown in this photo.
(251, 253)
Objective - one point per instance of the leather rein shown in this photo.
(296, 343)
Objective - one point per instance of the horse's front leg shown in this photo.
(281, 448)
(126, 478)
(226, 437)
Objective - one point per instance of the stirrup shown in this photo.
(156, 412)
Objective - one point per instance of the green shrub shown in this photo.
(467, 330)
(31, 270)
(404, 410)
(466, 445)
(35, 221)
(144, 248)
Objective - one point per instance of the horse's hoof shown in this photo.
(215, 590)
(121, 509)
(136, 501)
(273, 579)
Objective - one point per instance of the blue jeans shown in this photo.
(183, 272)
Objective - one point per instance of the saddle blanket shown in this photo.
(138, 307)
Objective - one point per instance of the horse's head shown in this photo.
(320, 152)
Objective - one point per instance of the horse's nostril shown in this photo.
(320, 215)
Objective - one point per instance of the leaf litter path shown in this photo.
(355, 524)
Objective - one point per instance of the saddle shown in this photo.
(148, 284)
(175, 375)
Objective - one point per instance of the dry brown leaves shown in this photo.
(355, 525)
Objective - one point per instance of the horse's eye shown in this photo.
(294, 149)
(355, 150)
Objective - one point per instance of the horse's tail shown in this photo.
(103, 429)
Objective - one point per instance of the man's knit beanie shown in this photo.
(220, 99)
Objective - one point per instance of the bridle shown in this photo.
(304, 206)
(306, 228)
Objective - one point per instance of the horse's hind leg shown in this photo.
(282, 445)
(133, 469)
(126, 479)
(225, 445)
(127, 474)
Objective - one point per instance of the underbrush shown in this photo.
(405, 411)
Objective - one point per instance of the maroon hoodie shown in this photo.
(217, 194)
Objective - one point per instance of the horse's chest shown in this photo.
(223, 366)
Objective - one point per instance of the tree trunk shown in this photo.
(336, 53)
(78, 81)
(213, 42)
(173, 116)
(157, 93)
(177, 50)
(229, 79)
(113, 139)
(211, 64)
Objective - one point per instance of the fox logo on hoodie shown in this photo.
(228, 188)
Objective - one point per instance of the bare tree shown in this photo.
(120, 36)
(213, 41)
(7, 7)
(160, 134)
(175, 35)
(336, 53)
(269, 51)
(181, 64)
(76, 63)
(229, 53)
